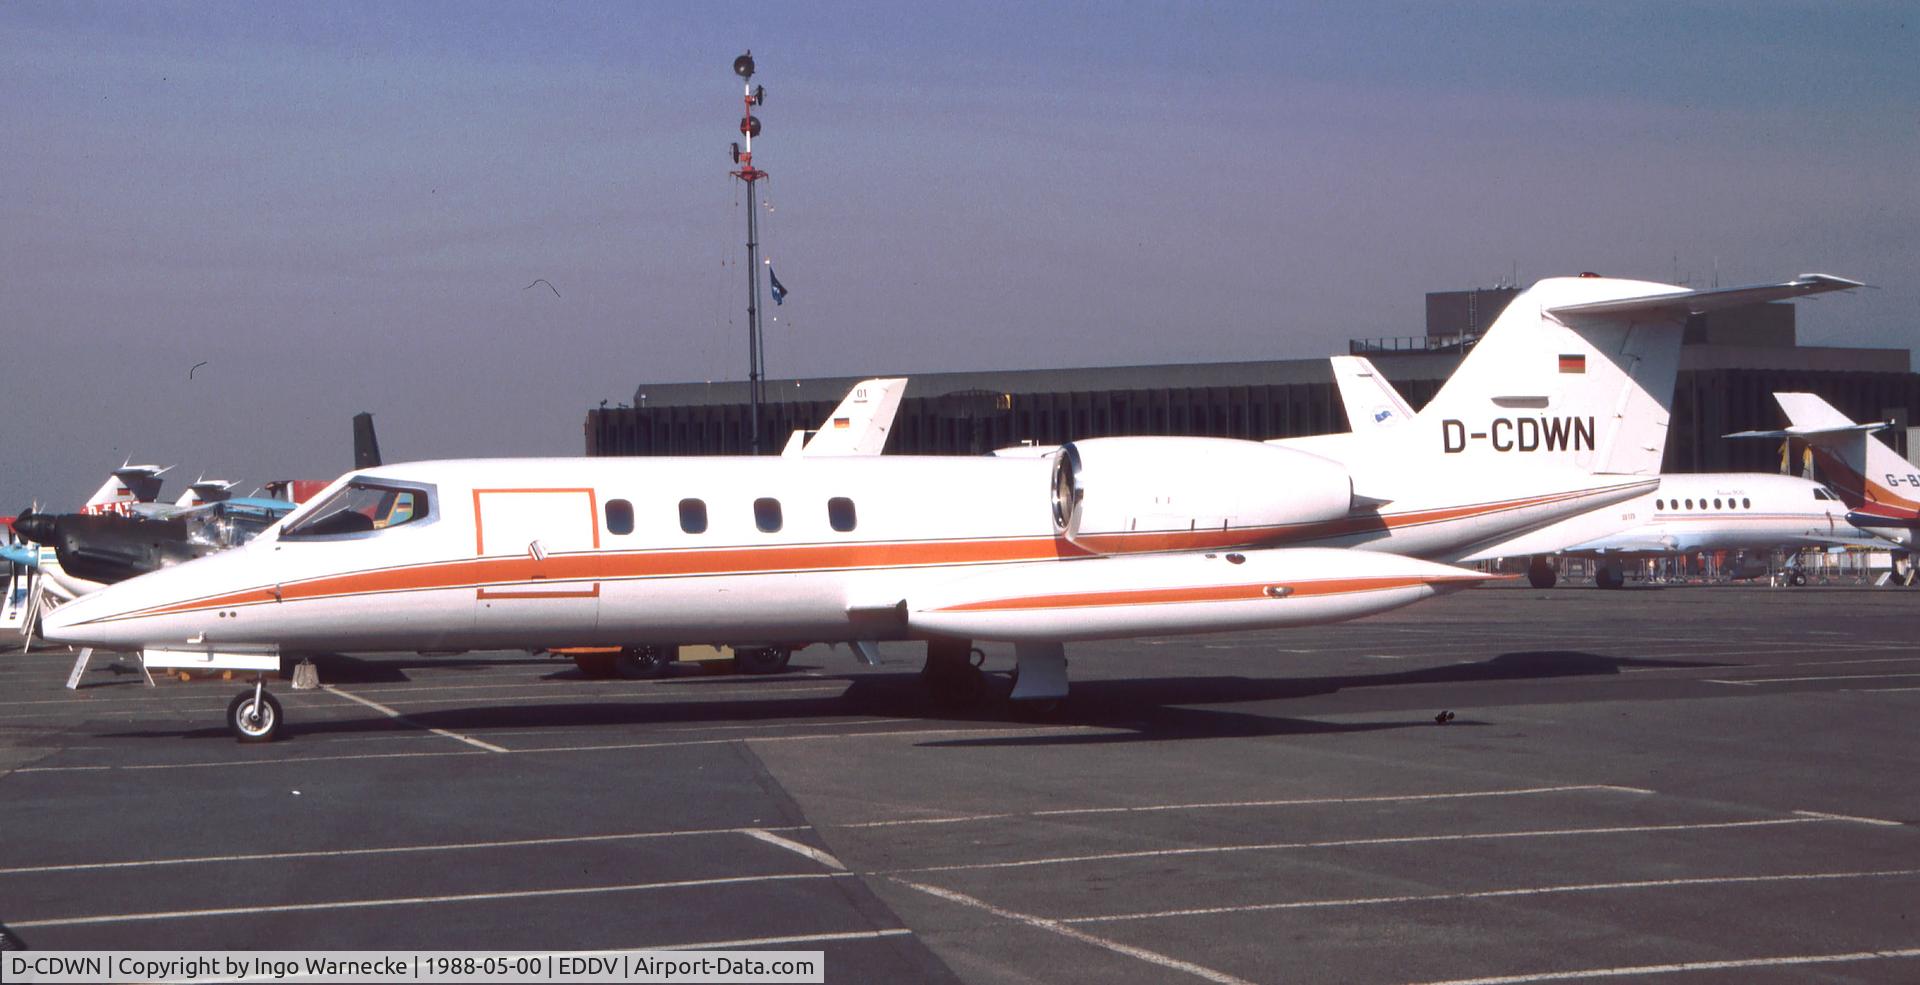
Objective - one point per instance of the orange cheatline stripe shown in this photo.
(591, 593)
(1208, 593)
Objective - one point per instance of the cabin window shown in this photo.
(1745, 503)
(360, 507)
(1689, 504)
(619, 516)
(1716, 504)
(766, 514)
(693, 516)
(840, 513)
(1659, 504)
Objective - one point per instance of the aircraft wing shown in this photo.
(1685, 303)
(1626, 545)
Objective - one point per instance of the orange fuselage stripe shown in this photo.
(1206, 593)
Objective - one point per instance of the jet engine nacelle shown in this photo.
(1133, 494)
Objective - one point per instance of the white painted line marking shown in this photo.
(1384, 798)
(223, 763)
(1055, 926)
(1045, 730)
(420, 900)
(1851, 817)
(1797, 663)
(1593, 887)
(796, 847)
(391, 850)
(1793, 680)
(851, 935)
(1880, 690)
(1685, 966)
(398, 717)
(923, 820)
(613, 747)
(1355, 842)
(1209, 805)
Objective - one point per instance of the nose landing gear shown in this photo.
(254, 715)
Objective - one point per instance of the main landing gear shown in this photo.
(254, 715)
(1610, 575)
(1540, 573)
(952, 673)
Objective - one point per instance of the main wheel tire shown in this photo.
(1609, 576)
(1797, 579)
(762, 659)
(638, 663)
(1540, 574)
(595, 665)
(250, 724)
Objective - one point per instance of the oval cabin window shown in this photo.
(840, 513)
(693, 516)
(766, 514)
(619, 516)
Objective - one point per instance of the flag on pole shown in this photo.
(779, 290)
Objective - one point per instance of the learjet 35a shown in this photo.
(1560, 409)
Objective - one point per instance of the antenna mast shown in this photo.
(743, 156)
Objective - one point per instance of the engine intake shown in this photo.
(1138, 494)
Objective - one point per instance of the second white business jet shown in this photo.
(1559, 410)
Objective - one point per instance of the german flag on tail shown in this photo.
(1573, 364)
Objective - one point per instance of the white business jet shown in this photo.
(1103, 538)
(1881, 489)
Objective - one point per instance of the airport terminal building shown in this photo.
(1730, 365)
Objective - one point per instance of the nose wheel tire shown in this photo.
(254, 716)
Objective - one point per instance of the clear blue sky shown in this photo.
(339, 206)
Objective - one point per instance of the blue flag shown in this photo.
(779, 290)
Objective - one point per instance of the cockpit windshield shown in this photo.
(1821, 492)
(360, 507)
(230, 524)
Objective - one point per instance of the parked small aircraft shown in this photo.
(1560, 409)
(1881, 489)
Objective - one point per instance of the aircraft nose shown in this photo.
(36, 527)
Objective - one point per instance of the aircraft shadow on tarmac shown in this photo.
(1135, 709)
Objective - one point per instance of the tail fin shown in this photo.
(860, 425)
(366, 445)
(1580, 370)
(129, 484)
(204, 491)
(1372, 403)
(1867, 473)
